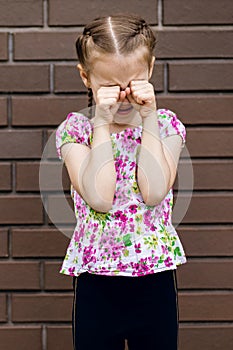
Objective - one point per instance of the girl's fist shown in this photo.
(142, 93)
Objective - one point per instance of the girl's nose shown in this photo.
(123, 88)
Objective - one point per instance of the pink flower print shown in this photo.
(164, 249)
(92, 238)
(120, 215)
(133, 208)
(137, 248)
(131, 228)
(174, 122)
(121, 266)
(88, 255)
(147, 218)
(79, 234)
(71, 271)
(132, 165)
(168, 262)
(95, 227)
(138, 140)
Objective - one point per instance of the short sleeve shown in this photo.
(76, 128)
(170, 124)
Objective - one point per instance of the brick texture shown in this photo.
(26, 338)
(34, 111)
(4, 243)
(13, 276)
(20, 144)
(196, 43)
(39, 86)
(3, 111)
(3, 46)
(48, 243)
(197, 12)
(72, 13)
(200, 76)
(24, 78)
(5, 177)
(21, 13)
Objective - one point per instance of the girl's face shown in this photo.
(113, 69)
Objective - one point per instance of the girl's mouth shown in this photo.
(126, 109)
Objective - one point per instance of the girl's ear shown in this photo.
(151, 66)
(83, 75)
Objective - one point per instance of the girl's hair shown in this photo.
(118, 34)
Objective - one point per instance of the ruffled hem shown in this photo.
(113, 271)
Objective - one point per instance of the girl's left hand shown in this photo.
(142, 94)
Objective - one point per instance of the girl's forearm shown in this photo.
(99, 176)
(153, 174)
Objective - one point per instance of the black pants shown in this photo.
(109, 309)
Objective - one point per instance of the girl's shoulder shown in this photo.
(170, 124)
(76, 128)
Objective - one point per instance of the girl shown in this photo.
(122, 164)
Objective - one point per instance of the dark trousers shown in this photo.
(109, 309)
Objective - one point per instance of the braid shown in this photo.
(90, 101)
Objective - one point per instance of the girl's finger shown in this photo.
(122, 96)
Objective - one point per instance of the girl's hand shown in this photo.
(142, 94)
(107, 103)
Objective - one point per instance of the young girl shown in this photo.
(122, 165)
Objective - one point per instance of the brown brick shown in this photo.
(207, 241)
(205, 306)
(53, 177)
(45, 46)
(209, 109)
(194, 44)
(20, 144)
(206, 274)
(200, 76)
(51, 144)
(64, 14)
(45, 110)
(59, 338)
(207, 175)
(208, 337)
(217, 175)
(3, 308)
(19, 275)
(55, 280)
(27, 176)
(26, 338)
(205, 208)
(67, 78)
(21, 210)
(3, 111)
(3, 46)
(41, 308)
(210, 142)
(5, 176)
(24, 78)
(60, 209)
(21, 13)
(39, 243)
(157, 78)
(3, 243)
(197, 12)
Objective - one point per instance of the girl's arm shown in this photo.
(92, 171)
(157, 161)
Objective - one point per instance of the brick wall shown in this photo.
(39, 85)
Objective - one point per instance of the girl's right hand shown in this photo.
(107, 103)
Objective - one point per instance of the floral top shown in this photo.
(132, 239)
